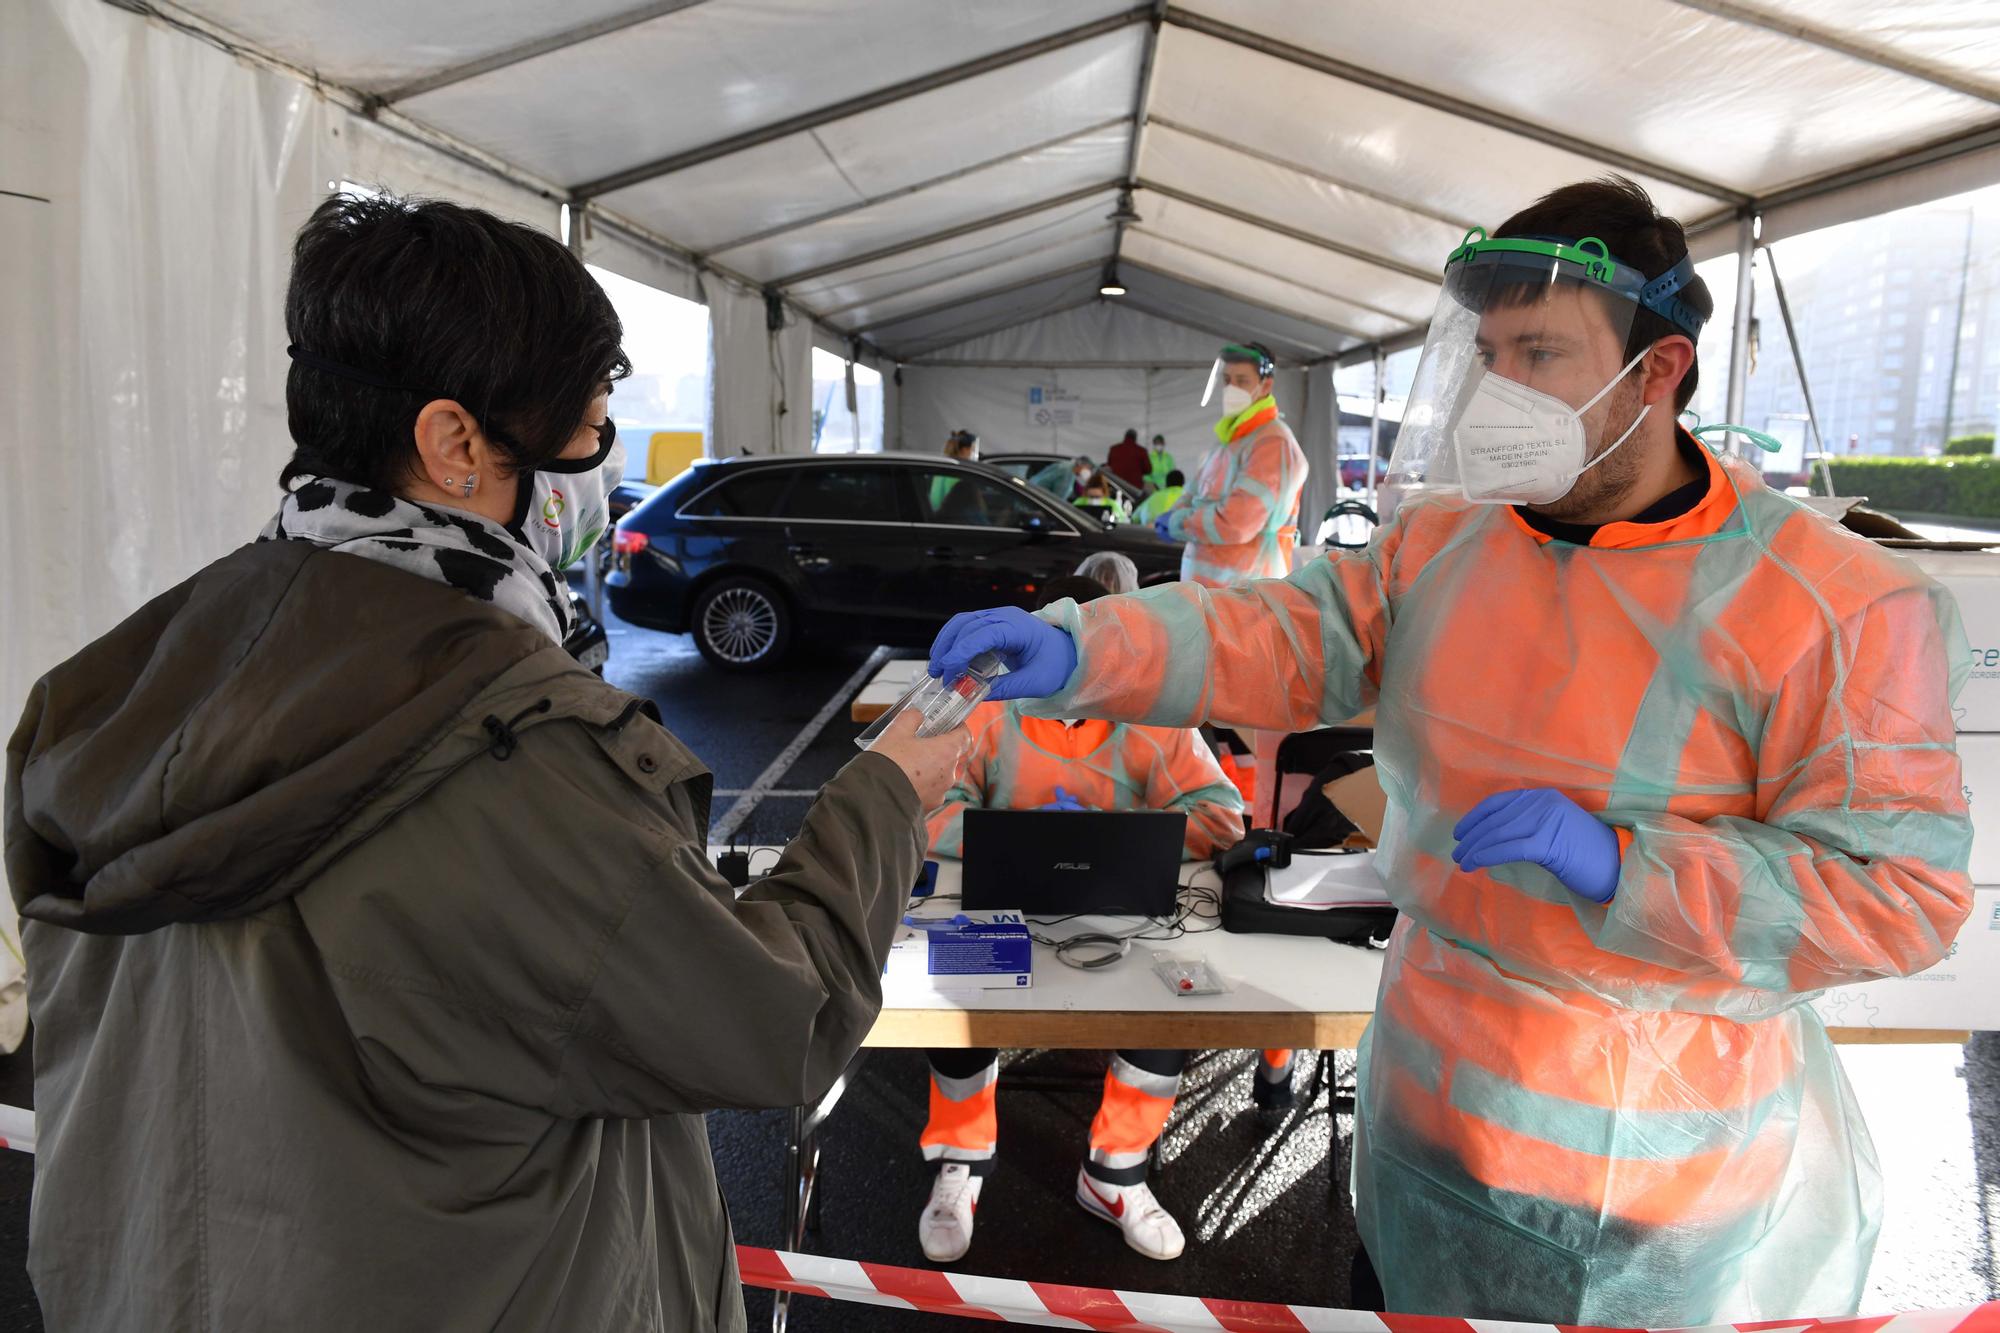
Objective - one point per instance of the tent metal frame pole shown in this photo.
(1429, 279)
(1799, 364)
(1140, 97)
(1957, 328)
(1028, 210)
(1832, 41)
(1436, 101)
(593, 574)
(1374, 422)
(800, 224)
(1231, 260)
(854, 106)
(529, 50)
(1090, 266)
(1310, 173)
(1739, 327)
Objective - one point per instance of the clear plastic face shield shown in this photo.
(1525, 382)
(1257, 359)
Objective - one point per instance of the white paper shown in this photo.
(1322, 882)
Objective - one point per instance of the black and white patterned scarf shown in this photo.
(448, 546)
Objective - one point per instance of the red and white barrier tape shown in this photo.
(1050, 1305)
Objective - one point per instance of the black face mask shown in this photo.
(524, 481)
(607, 433)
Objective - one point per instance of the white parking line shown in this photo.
(766, 784)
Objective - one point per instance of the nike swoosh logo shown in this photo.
(1115, 1208)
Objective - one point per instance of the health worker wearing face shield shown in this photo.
(1240, 518)
(1666, 754)
(379, 973)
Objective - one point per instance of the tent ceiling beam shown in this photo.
(1289, 281)
(947, 178)
(1293, 233)
(948, 234)
(1092, 266)
(539, 46)
(1003, 323)
(1310, 173)
(1058, 366)
(1140, 98)
(597, 215)
(1310, 321)
(1887, 166)
(1894, 61)
(1410, 92)
(1389, 346)
(854, 106)
(1213, 331)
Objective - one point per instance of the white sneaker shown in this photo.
(946, 1226)
(1149, 1228)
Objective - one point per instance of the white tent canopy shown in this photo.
(906, 171)
(942, 184)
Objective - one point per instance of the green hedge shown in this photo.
(1963, 486)
(1969, 446)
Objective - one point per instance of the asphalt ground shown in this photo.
(1265, 1213)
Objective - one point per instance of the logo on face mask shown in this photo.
(552, 508)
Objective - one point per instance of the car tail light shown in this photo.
(627, 542)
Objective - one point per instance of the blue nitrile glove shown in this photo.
(1164, 526)
(1064, 801)
(1545, 828)
(1040, 658)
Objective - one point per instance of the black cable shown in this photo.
(776, 852)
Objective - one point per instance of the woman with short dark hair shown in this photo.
(380, 977)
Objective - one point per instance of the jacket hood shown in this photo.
(176, 769)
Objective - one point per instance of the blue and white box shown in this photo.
(980, 951)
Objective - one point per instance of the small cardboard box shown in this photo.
(1973, 578)
(1960, 994)
(991, 951)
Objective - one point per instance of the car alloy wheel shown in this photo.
(740, 624)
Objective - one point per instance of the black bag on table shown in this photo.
(1245, 911)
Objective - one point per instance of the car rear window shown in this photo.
(752, 495)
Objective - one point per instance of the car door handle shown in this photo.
(807, 556)
(941, 552)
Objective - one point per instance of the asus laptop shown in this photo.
(1060, 862)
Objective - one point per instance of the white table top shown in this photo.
(885, 687)
(1291, 991)
(1266, 973)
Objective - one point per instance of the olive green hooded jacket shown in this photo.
(379, 976)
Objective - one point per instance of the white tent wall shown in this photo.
(1317, 429)
(760, 381)
(380, 159)
(992, 402)
(141, 337)
(607, 248)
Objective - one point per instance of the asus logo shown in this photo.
(1072, 865)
